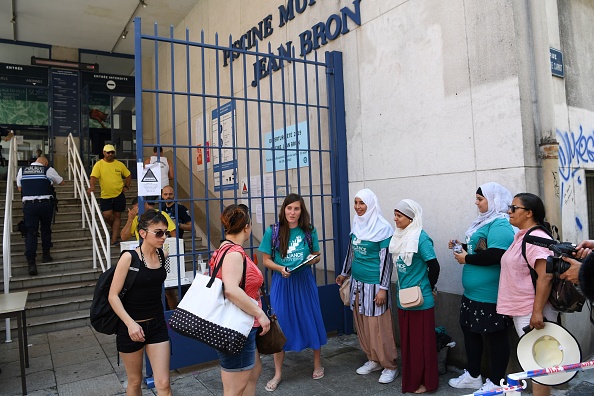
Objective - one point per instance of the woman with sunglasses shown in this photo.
(486, 241)
(414, 259)
(240, 373)
(294, 294)
(518, 297)
(143, 323)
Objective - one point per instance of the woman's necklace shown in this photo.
(144, 261)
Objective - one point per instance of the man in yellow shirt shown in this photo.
(114, 178)
(131, 226)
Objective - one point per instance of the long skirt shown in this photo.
(376, 336)
(296, 303)
(418, 349)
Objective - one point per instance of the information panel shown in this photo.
(65, 103)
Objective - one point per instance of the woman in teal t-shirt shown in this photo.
(487, 239)
(414, 258)
(370, 266)
(294, 294)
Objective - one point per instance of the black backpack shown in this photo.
(103, 318)
(564, 296)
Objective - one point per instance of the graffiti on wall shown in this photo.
(576, 151)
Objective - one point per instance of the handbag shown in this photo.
(345, 291)
(274, 340)
(206, 315)
(410, 297)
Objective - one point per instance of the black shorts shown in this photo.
(155, 331)
(117, 204)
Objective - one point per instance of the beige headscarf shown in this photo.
(405, 243)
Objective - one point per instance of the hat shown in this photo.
(108, 147)
(551, 346)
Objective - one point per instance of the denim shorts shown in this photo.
(155, 331)
(245, 360)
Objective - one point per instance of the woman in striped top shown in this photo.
(370, 266)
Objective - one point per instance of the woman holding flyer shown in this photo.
(294, 294)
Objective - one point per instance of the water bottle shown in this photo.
(200, 265)
(457, 248)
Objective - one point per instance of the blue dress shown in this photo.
(295, 299)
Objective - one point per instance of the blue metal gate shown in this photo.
(243, 126)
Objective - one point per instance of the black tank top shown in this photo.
(143, 300)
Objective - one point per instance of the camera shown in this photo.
(555, 264)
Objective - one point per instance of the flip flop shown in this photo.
(318, 373)
(272, 385)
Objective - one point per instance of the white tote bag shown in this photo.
(207, 316)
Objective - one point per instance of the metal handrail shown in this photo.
(6, 248)
(91, 212)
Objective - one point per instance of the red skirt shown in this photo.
(418, 349)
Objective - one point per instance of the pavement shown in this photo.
(82, 362)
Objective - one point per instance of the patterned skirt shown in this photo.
(482, 317)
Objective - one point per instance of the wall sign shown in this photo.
(224, 157)
(65, 102)
(288, 138)
(557, 68)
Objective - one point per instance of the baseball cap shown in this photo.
(109, 147)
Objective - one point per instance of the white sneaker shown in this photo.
(466, 381)
(388, 376)
(371, 366)
(488, 386)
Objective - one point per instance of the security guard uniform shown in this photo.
(35, 182)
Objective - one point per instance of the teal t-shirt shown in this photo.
(366, 264)
(417, 274)
(298, 248)
(481, 283)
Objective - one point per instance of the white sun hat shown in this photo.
(548, 347)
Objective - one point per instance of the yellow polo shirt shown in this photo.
(111, 177)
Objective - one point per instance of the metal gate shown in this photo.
(242, 126)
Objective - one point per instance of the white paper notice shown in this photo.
(259, 213)
(149, 179)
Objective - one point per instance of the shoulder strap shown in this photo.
(275, 239)
(309, 240)
(217, 267)
(533, 273)
(132, 272)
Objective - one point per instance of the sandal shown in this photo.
(272, 385)
(318, 373)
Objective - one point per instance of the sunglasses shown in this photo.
(513, 208)
(160, 233)
(110, 152)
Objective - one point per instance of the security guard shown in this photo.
(35, 184)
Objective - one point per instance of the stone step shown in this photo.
(60, 253)
(20, 268)
(49, 323)
(25, 282)
(58, 305)
(45, 292)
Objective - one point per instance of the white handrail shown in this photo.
(6, 248)
(90, 207)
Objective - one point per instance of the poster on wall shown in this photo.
(202, 147)
(99, 111)
(290, 138)
(224, 158)
(21, 106)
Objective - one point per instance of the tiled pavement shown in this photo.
(83, 362)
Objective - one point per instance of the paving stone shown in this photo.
(64, 345)
(76, 356)
(13, 369)
(70, 334)
(105, 385)
(82, 371)
(40, 380)
(583, 389)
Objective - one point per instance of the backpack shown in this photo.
(564, 296)
(276, 239)
(103, 318)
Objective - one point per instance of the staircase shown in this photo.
(60, 295)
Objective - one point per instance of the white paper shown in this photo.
(149, 183)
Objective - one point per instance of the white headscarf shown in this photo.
(372, 226)
(405, 243)
(498, 198)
